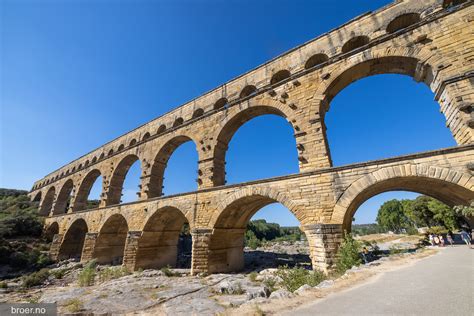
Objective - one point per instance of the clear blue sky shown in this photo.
(76, 74)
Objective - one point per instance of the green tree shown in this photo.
(391, 216)
(465, 210)
(424, 211)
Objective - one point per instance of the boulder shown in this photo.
(302, 289)
(281, 293)
(261, 291)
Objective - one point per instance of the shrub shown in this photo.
(110, 273)
(3, 285)
(293, 278)
(251, 240)
(36, 278)
(59, 274)
(270, 283)
(168, 272)
(348, 254)
(74, 305)
(87, 275)
(43, 260)
(238, 289)
(253, 276)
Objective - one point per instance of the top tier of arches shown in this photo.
(397, 19)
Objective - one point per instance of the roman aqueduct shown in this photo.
(429, 40)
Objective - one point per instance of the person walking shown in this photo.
(431, 239)
(465, 236)
(365, 255)
(449, 237)
(436, 240)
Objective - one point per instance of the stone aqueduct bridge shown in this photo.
(429, 40)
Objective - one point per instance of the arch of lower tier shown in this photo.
(226, 244)
(157, 245)
(110, 243)
(449, 186)
(73, 241)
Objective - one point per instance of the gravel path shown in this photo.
(442, 284)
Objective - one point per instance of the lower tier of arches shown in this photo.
(149, 234)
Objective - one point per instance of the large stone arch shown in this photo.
(420, 64)
(47, 202)
(73, 241)
(80, 201)
(449, 186)
(37, 197)
(233, 121)
(267, 194)
(158, 244)
(114, 192)
(226, 243)
(160, 161)
(64, 198)
(110, 244)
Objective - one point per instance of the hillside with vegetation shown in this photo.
(21, 246)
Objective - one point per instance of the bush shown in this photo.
(270, 283)
(253, 276)
(74, 305)
(36, 278)
(110, 273)
(59, 274)
(293, 278)
(251, 240)
(43, 260)
(168, 272)
(348, 254)
(87, 275)
(3, 285)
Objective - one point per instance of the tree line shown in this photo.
(409, 215)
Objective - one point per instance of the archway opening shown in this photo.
(125, 182)
(89, 193)
(255, 145)
(110, 244)
(254, 233)
(280, 76)
(165, 241)
(51, 231)
(399, 221)
(174, 169)
(47, 203)
(37, 197)
(444, 191)
(403, 21)
(383, 116)
(64, 198)
(73, 242)
(315, 60)
(354, 43)
(247, 91)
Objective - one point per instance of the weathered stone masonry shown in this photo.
(429, 40)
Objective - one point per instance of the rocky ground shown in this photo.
(175, 292)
